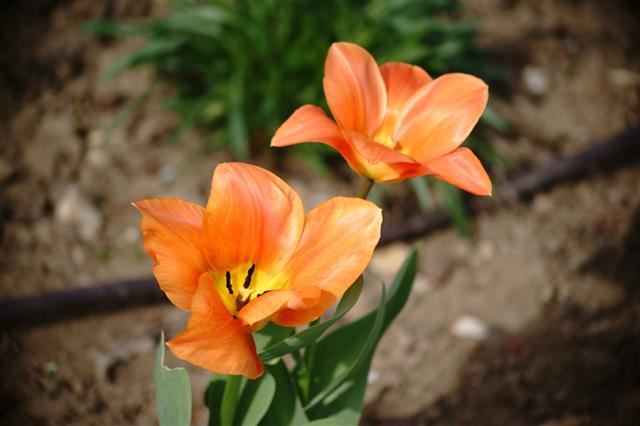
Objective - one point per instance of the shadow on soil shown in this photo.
(570, 368)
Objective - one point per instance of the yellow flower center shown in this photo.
(243, 284)
(384, 132)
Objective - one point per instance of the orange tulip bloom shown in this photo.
(250, 257)
(394, 122)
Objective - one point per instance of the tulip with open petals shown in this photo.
(394, 122)
(250, 257)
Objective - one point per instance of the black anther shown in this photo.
(228, 275)
(247, 280)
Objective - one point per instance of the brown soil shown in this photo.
(551, 282)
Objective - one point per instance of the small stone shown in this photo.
(75, 210)
(168, 173)
(96, 151)
(422, 284)
(486, 249)
(131, 235)
(470, 327)
(623, 78)
(536, 80)
(373, 375)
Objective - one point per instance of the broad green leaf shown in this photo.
(336, 353)
(270, 335)
(213, 397)
(173, 391)
(286, 409)
(255, 400)
(364, 354)
(312, 333)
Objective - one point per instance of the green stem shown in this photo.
(367, 184)
(230, 400)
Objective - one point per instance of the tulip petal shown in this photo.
(402, 82)
(462, 169)
(289, 308)
(303, 309)
(337, 244)
(354, 88)
(252, 218)
(262, 308)
(213, 339)
(438, 118)
(310, 124)
(172, 234)
(376, 153)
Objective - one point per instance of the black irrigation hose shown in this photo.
(616, 151)
(48, 308)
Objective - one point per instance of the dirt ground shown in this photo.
(533, 320)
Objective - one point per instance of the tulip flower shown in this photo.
(394, 122)
(249, 257)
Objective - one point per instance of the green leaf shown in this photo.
(173, 391)
(312, 333)
(270, 335)
(364, 354)
(337, 352)
(286, 409)
(255, 400)
(213, 397)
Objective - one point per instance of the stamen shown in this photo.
(228, 275)
(247, 280)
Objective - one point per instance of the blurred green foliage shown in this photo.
(240, 68)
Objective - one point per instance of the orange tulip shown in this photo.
(250, 257)
(394, 122)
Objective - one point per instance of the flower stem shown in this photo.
(230, 400)
(367, 184)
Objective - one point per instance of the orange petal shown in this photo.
(354, 88)
(376, 153)
(337, 243)
(252, 217)
(290, 308)
(304, 308)
(462, 169)
(213, 339)
(310, 124)
(402, 82)
(172, 234)
(260, 310)
(441, 115)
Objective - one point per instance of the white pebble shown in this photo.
(469, 327)
(536, 80)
